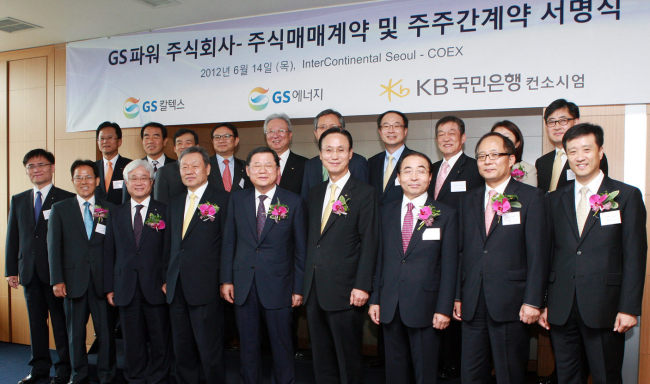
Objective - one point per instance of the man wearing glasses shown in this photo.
(278, 134)
(553, 169)
(26, 257)
(228, 173)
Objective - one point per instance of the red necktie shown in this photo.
(227, 177)
(407, 227)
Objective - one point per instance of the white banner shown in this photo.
(413, 56)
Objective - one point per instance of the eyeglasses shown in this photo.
(33, 167)
(563, 122)
(257, 168)
(227, 136)
(79, 179)
(418, 171)
(386, 127)
(138, 179)
(491, 156)
(324, 127)
(279, 132)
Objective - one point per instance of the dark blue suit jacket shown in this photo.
(465, 170)
(509, 265)
(376, 178)
(422, 280)
(275, 261)
(127, 263)
(314, 172)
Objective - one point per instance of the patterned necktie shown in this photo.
(108, 177)
(261, 215)
(88, 220)
(137, 223)
(188, 214)
(407, 227)
(440, 180)
(489, 212)
(155, 165)
(388, 171)
(583, 209)
(328, 209)
(326, 174)
(557, 170)
(38, 205)
(227, 177)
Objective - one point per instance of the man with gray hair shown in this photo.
(133, 268)
(278, 133)
(315, 172)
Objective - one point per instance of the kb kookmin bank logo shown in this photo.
(131, 108)
(258, 99)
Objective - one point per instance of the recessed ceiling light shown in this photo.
(9, 25)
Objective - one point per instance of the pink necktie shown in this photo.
(489, 212)
(441, 178)
(227, 177)
(407, 227)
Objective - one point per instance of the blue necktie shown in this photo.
(38, 205)
(88, 220)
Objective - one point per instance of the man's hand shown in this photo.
(13, 281)
(164, 288)
(528, 314)
(228, 292)
(624, 322)
(109, 297)
(59, 290)
(440, 321)
(358, 298)
(458, 311)
(543, 320)
(373, 312)
(296, 300)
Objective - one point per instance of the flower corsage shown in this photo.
(155, 221)
(426, 215)
(208, 211)
(278, 212)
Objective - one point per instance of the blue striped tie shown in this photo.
(88, 220)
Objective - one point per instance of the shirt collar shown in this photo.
(220, 159)
(452, 160)
(593, 184)
(499, 188)
(145, 202)
(199, 191)
(397, 154)
(341, 182)
(160, 160)
(81, 201)
(44, 191)
(113, 161)
(268, 194)
(284, 155)
(419, 201)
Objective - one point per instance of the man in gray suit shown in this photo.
(75, 244)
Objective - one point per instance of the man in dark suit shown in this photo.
(393, 127)
(168, 181)
(191, 283)
(597, 267)
(552, 168)
(111, 166)
(154, 139)
(75, 244)
(228, 172)
(262, 265)
(453, 176)
(415, 280)
(26, 258)
(133, 264)
(503, 267)
(315, 170)
(341, 253)
(278, 133)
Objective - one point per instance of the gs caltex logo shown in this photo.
(131, 109)
(258, 99)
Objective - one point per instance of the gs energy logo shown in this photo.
(258, 99)
(131, 109)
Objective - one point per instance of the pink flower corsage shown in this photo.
(100, 213)
(518, 172)
(604, 202)
(155, 221)
(278, 212)
(502, 204)
(426, 215)
(340, 206)
(207, 211)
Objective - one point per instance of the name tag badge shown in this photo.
(396, 181)
(570, 175)
(511, 218)
(100, 228)
(46, 214)
(610, 217)
(431, 234)
(117, 184)
(459, 186)
(241, 183)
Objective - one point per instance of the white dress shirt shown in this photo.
(113, 162)
(452, 161)
(339, 187)
(199, 194)
(267, 202)
(160, 160)
(283, 160)
(592, 186)
(501, 188)
(82, 207)
(418, 203)
(44, 191)
(143, 210)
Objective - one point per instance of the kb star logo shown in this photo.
(392, 90)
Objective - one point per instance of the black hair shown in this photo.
(108, 124)
(38, 152)
(183, 131)
(232, 128)
(329, 111)
(573, 109)
(80, 163)
(514, 129)
(334, 130)
(196, 149)
(162, 128)
(451, 119)
(584, 129)
(417, 154)
(507, 143)
(262, 150)
(403, 116)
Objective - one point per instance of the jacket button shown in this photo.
(317, 245)
(579, 252)
(253, 267)
(36, 236)
(485, 252)
(403, 261)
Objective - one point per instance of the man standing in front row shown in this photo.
(26, 257)
(341, 252)
(598, 264)
(75, 245)
(192, 271)
(133, 264)
(262, 265)
(417, 267)
(503, 267)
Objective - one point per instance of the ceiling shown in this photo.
(72, 20)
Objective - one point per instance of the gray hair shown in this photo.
(130, 167)
(329, 111)
(281, 116)
(196, 149)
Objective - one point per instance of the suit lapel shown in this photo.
(268, 223)
(416, 236)
(218, 179)
(195, 215)
(344, 192)
(479, 209)
(591, 218)
(511, 189)
(455, 170)
(397, 229)
(238, 176)
(250, 212)
(30, 209)
(568, 204)
(124, 218)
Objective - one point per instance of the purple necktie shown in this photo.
(407, 227)
(137, 223)
(261, 216)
